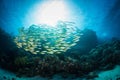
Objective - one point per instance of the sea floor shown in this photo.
(113, 74)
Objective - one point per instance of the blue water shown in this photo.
(101, 16)
(97, 46)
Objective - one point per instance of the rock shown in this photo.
(13, 78)
(92, 75)
(4, 77)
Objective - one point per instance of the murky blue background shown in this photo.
(102, 16)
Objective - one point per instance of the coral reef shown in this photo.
(105, 56)
(87, 42)
(21, 61)
(98, 59)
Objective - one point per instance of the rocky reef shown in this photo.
(86, 42)
(103, 57)
(107, 54)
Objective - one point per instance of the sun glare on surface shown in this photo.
(50, 12)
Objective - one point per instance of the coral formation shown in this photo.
(87, 42)
(20, 61)
(105, 56)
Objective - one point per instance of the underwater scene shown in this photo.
(59, 39)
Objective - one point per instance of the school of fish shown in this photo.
(44, 39)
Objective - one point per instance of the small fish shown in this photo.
(67, 43)
(61, 50)
(24, 43)
(73, 44)
(50, 52)
(46, 47)
(42, 53)
(37, 51)
(62, 47)
(31, 39)
(26, 49)
(19, 45)
(58, 52)
(76, 40)
(34, 52)
(48, 43)
(40, 48)
(23, 38)
(55, 50)
(52, 47)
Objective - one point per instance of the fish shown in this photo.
(39, 48)
(46, 47)
(43, 39)
(73, 44)
(50, 52)
(26, 49)
(31, 39)
(23, 38)
(62, 48)
(76, 40)
(55, 50)
(19, 45)
(24, 43)
(58, 52)
(48, 43)
(37, 51)
(42, 52)
(34, 52)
